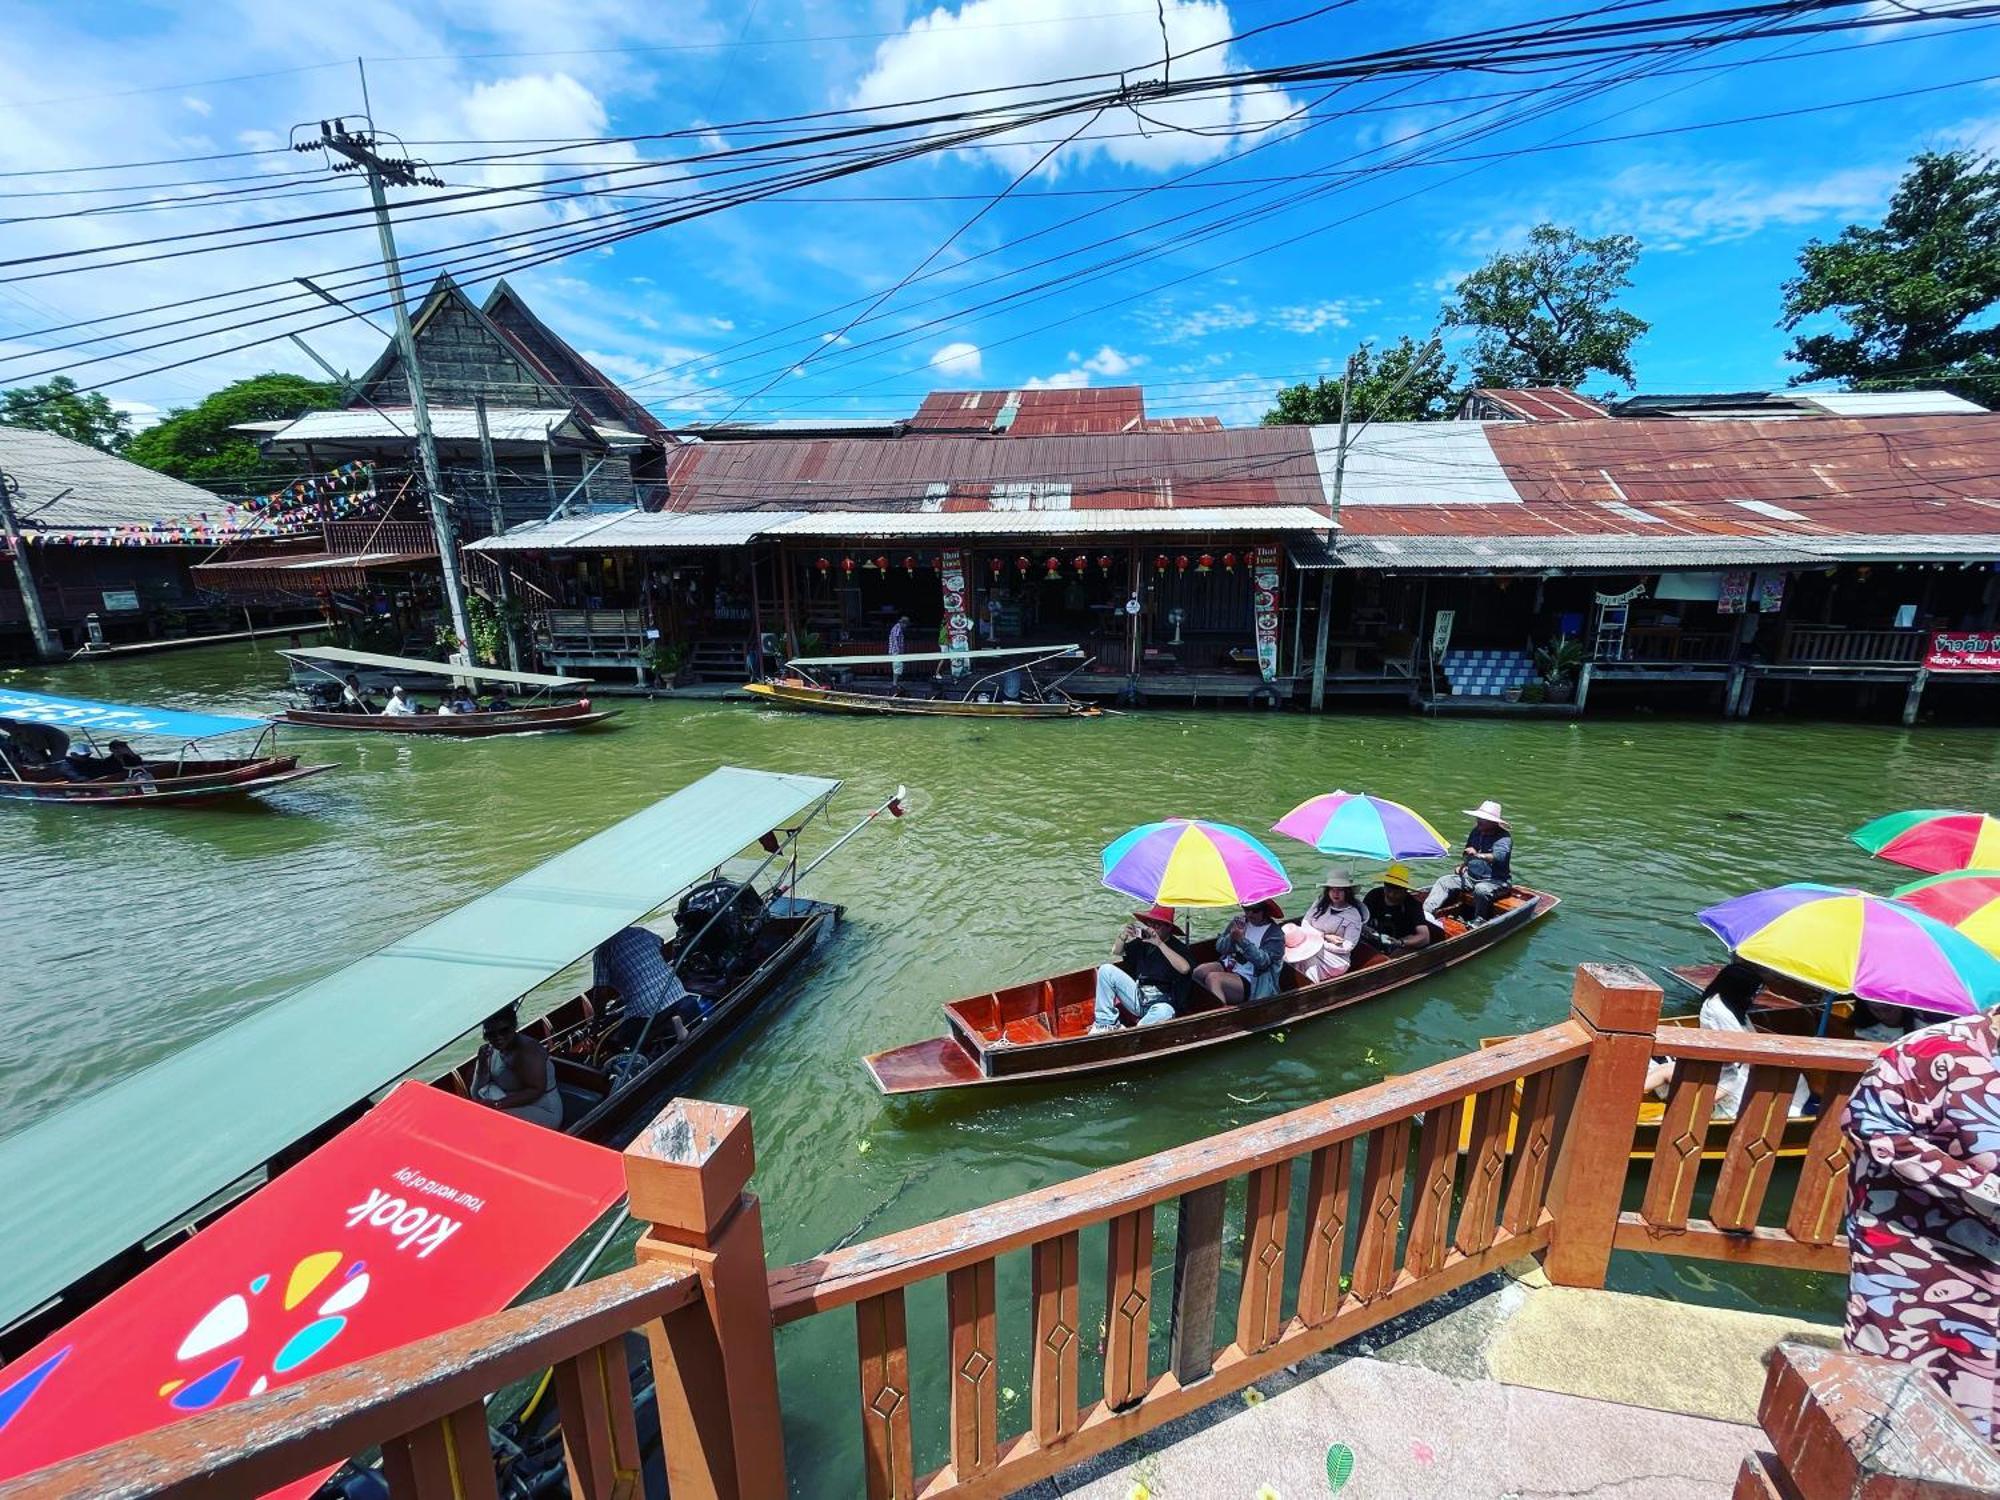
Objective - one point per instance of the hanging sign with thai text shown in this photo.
(1963, 651)
(1264, 600)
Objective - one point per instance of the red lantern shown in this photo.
(1207, 564)
(995, 565)
(1081, 563)
(1181, 562)
(909, 565)
(882, 563)
(824, 565)
(847, 566)
(1229, 562)
(1104, 561)
(1054, 567)
(1160, 563)
(1021, 564)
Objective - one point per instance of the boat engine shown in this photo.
(725, 947)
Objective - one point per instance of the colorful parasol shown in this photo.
(1848, 942)
(1366, 827)
(1966, 900)
(1185, 862)
(1934, 839)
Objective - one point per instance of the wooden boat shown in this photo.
(38, 764)
(1007, 692)
(1041, 1030)
(322, 706)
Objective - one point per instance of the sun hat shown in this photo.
(1302, 943)
(1164, 915)
(1487, 812)
(1340, 876)
(1268, 908)
(1398, 875)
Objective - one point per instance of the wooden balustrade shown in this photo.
(1410, 1188)
(1836, 645)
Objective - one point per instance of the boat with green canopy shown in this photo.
(334, 697)
(115, 1178)
(948, 684)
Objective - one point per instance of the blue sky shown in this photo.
(745, 311)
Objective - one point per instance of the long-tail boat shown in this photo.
(1041, 1030)
(123, 1175)
(324, 709)
(1005, 692)
(38, 764)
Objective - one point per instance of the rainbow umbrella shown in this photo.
(1366, 827)
(1185, 862)
(1967, 901)
(1934, 839)
(1848, 942)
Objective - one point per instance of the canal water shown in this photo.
(127, 936)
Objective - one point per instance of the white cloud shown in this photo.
(1066, 380)
(722, 325)
(958, 358)
(1108, 361)
(1314, 316)
(1005, 44)
(1173, 325)
(200, 106)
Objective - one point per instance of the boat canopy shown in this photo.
(340, 656)
(982, 654)
(128, 1160)
(106, 720)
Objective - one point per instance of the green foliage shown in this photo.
(665, 659)
(1909, 289)
(197, 443)
(1546, 314)
(1406, 382)
(1560, 661)
(57, 406)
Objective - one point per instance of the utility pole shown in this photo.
(1333, 521)
(46, 645)
(357, 148)
(499, 526)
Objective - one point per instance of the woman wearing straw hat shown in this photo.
(1336, 919)
(1485, 870)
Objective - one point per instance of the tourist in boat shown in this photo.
(352, 699)
(1148, 975)
(1396, 921)
(514, 1075)
(1338, 916)
(1249, 954)
(1725, 1006)
(1923, 1220)
(1485, 867)
(401, 702)
(899, 642)
(1876, 1022)
(461, 702)
(499, 703)
(124, 763)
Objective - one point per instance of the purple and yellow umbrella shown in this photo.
(1363, 826)
(1967, 901)
(1934, 839)
(1848, 942)
(1185, 862)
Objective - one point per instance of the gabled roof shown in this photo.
(1543, 403)
(69, 486)
(445, 294)
(1033, 413)
(557, 360)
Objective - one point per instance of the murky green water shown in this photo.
(127, 936)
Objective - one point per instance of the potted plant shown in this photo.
(1559, 663)
(1535, 692)
(665, 660)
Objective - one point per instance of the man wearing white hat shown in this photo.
(1486, 867)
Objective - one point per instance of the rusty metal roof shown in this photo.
(1124, 471)
(1544, 403)
(1034, 413)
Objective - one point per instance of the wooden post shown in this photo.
(714, 1362)
(1583, 686)
(1619, 1008)
(1915, 696)
(1732, 696)
(785, 593)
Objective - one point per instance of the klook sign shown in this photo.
(1963, 651)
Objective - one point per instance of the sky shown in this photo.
(1211, 249)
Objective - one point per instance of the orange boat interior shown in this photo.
(1046, 1010)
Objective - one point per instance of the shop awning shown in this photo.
(307, 572)
(833, 525)
(107, 720)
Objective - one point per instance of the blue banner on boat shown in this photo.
(104, 720)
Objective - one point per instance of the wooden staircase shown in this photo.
(715, 661)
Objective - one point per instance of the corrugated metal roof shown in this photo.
(1416, 463)
(457, 424)
(1183, 424)
(1543, 403)
(96, 489)
(1034, 413)
(1890, 403)
(1125, 471)
(1143, 522)
(634, 530)
(1619, 553)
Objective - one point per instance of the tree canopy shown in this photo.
(1910, 290)
(198, 443)
(1405, 382)
(1547, 314)
(58, 406)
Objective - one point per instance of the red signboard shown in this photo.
(428, 1211)
(1963, 651)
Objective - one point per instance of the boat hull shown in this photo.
(994, 1041)
(836, 701)
(453, 726)
(197, 781)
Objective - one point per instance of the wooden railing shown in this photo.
(1382, 1200)
(1835, 645)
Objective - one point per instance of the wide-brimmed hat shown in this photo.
(1339, 876)
(1398, 875)
(1268, 908)
(1164, 915)
(1487, 812)
(1302, 942)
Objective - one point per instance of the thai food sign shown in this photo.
(957, 620)
(1963, 651)
(1264, 600)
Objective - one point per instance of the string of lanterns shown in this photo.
(1052, 566)
(346, 491)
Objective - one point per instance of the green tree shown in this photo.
(58, 406)
(1547, 314)
(1406, 382)
(1909, 289)
(199, 443)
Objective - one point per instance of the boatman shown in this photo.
(899, 642)
(1485, 867)
(1148, 973)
